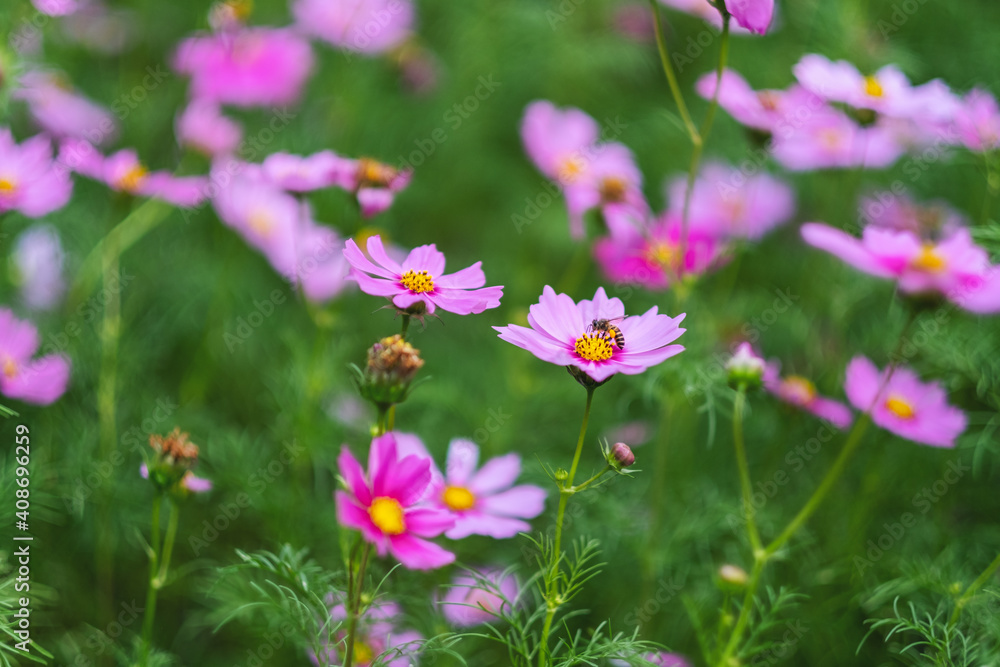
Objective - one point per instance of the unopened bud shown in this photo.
(561, 475)
(174, 456)
(621, 456)
(732, 578)
(745, 367)
(392, 365)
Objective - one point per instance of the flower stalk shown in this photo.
(159, 567)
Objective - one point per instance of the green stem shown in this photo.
(381, 418)
(971, 590)
(552, 598)
(406, 325)
(745, 611)
(668, 69)
(168, 544)
(147, 624)
(355, 607)
(741, 460)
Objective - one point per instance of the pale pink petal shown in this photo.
(358, 260)
(861, 383)
(498, 473)
(40, 382)
(425, 258)
(463, 456)
(845, 247)
(525, 502)
(468, 278)
(478, 523)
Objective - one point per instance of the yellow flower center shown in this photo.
(799, 389)
(613, 189)
(595, 347)
(830, 138)
(417, 281)
(768, 100)
(929, 260)
(872, 87)
(7, 186)
(570, 168)
(387, 514)
(132, 179)
(363, 653)
(374, 173)
(261, 223)
(663, 254)
(458, 498)
(10, 368)
(899, 406)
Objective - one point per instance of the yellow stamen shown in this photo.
(570, 168)
(261, 223)
(132, 179)
(613, 189)
(7, 186)
(458, 498)
(799, 389)
(872, 87)
(387, 514)
(929, 260)
(10, 368)
(374, 173)
(595, 347)
(663, 254)
(363, 653)
(899, 406)
(419, 282)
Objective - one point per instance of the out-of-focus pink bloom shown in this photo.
(379, 634)
(297, 173)
(634, 432)
(562, 333)
(364, 26)
(559, 141)
(634, 22)
(704, 10)
(63, 113)
(38, 261)
(381, 505)
(745, 366)
(419, 69)
(728, 203)
(30, 182)
(96, 27)
(930, 220)
(483, 501)
(653, 258)
(611, 181)
(829, 139)
(899, 402)
(482, 596)
(374, 184)
(56, 7)
(202, 126)
(252, 67)
(122, 171)
(955, 267)
(800, 392)
(765, 110)
(39, 381)
(660, 659)
(754, 15)
(190, 482)
(421, 279)
(321, 270)
(978, 121)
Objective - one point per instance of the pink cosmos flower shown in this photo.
(561, 333)
(754, 15)
(652, 258)
(481, 596)
(900, 403)
(660, 659)
(190, 482)
(978, 121)
(611, 180)
(297, 173)
(40, 381)
(829, 139)
(122, 171)
(728, 203)
(364, 26)
(955, 267)
(704, 10)
(379, 634)
(251, 67)
(483, 502)
(559, 142)
(800, 392)
(56, 7)
(930, 220)
(374, 184)
(421, 279)
(30, 182)
(62, 112)
(381, 505)
(765, 110)
(38, 261)
(202, 127)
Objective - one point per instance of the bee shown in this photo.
(609, 328)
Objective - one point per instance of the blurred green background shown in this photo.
(190, 282)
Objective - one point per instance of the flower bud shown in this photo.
(561, 475)
(745, 368)
(620, 456)
(392, 365)
(732, 578)
(174, 456)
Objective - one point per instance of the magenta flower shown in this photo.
(955, 267)
(364, 26)
(420, 279)
(381, 505)
(765, 110)
(251, 67)
(900, 403)
(559, 142)
(297, 173)
(481, 596)
(38, 262)
(561, 333)
(374, 184)
(828, 139)
(978, 121)
(611, 180)
(123, 172)
(379, 635)
(63, 113)
(754, 15)
(39, 381)
(483, 502)
(800, 392)
(202, 127)
(729, 203)
(706, 11)
(30, 182)
(653, 259)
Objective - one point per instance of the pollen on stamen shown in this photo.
(132, 179)
(595, 347)
(458, 498)
(387, 515)
(613, 190)
(10, 369)
(7, 186)
(929, 259)
(417, 281)
(899, 406)
(872, 87)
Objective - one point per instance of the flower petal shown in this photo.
(354, 475)
(526, 502)
(497, 474)
(463, 455)
(419, 554)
